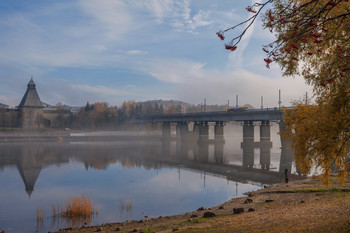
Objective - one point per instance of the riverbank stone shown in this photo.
(208, 215)
(238, 210)
(248, 200)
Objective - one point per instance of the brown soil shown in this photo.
(300, 206)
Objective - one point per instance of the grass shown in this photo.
(147, 230)
(79, 206)
(125, 204)
(39, 215)
(39, 218)
(200, 220)
(77, 210)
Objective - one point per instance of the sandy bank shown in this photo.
(300, 206)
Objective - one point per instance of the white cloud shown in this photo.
(177, 13)
(175, 71)
(199, 20)
(194, 82)
(99, 89)
(136, 52)
(112, 15)
(169, 9)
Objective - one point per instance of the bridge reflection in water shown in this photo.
(193, 145)
(189, 149)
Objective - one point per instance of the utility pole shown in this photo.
(205, 104)
(237, 101)
(279, 99)
(262, 102)
(228, 103)
(306, 98)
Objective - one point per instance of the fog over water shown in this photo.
(131, 179)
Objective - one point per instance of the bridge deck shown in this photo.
(269, 114)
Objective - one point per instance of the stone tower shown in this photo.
(31, 108)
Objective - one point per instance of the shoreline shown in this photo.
(299, 206)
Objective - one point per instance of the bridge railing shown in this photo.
(212, 113)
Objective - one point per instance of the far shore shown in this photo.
(60, 135)
(299, 206)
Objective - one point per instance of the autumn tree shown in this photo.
(97, 115)
(312, 39)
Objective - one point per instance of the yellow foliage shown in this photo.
(320, 136)
(313, 40)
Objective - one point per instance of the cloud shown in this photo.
(64, 34)
(201, 19)
(177, 13)
(136, 52)
(175, 70)
(99, 89)
(112, 15)
(194, 82)
(169, 9)
(58, 90)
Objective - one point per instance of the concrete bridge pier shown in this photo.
(195, 139)
(166, 131)
(203, 141)
(219, 142)
(248, 144)
(266, 145)
(219, 152)
(183, 139)
(203, 132)
(287, 156)
(166, 139)
(219, 132)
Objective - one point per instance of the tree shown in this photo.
(87, 107)
(312, 40)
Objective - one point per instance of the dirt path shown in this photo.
(300, 206)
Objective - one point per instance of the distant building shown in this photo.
(171, 106)
(3, 105)
(73, 110)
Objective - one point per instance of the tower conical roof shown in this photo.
(29, 174)
(31, 97)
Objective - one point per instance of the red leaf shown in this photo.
(229, 47)
(265, 50)
(267, 60)
(331, 80)
(220, 36)
(315, 34)
(251, 10)
(294, 45)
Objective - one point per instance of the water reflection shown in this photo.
(30, 159)
(130, 180)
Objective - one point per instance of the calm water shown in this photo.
(130, 180)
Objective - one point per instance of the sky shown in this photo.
(80, 51)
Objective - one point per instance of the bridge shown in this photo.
(196, 135)
(199, 132)
(266, 114)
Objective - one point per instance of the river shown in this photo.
(130, 179)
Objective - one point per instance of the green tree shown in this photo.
(312, 40)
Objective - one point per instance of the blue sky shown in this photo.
(116, 50)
